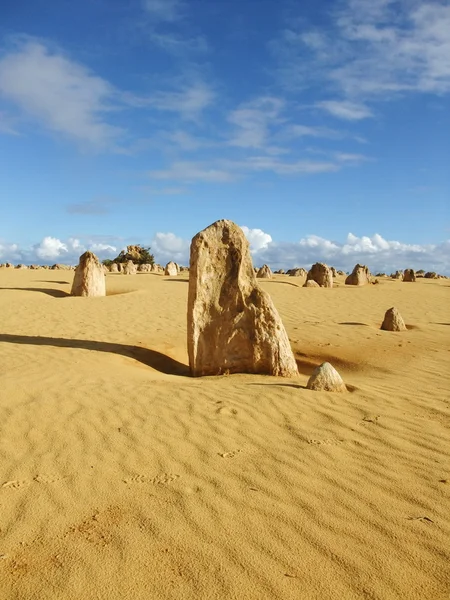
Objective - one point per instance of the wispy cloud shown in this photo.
(344, 109)
(179, 45)
(96, 206)
(7, 125)
(164, 10)
(252, 122)
(193, 172)
(367, 52)
(59, 93)
(189, 102)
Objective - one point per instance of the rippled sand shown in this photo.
(123, 478)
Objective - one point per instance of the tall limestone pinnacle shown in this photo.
(233, 326)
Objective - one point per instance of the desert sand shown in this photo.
(121, 477)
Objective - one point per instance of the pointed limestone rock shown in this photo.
(89, 277)
(393, 321)
(265, 272)
(233, 325)
(321, 274)
(359, 276)
(325, 378)
(171, 269)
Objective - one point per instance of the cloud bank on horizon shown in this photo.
(327, 118)
(379, 254)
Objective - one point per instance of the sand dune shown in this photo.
(123, 478)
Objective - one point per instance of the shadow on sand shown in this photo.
(275, 281)
(151, 358)
(176, 280)
(48, 281)
(48, 291)
(353, 323)
(289, 385)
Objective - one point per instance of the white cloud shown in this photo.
(375, 251)
(164, 10)
(257, 238)
(378, 253)
(168, 246)
(51, 248)
(60, 94)
(343, 109)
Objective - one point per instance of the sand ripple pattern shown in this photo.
(131, 481)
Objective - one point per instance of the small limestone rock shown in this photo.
(359, 276)
(393, 321)
(333, 271)
(321, 274)
(297, 272)
(264, 272)
(89, 278)
(145, 268)
(171, 269)
(233, 325)
(311, 283)
(396, 275)
(325, 378)
(409, 275)
(129, 268)
(114, 268)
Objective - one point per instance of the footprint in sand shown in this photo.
(231, 454)
(327, 442)
(136, 479)
(15, 484)
(226, 410)
(161, 479)
(165, 478)
(40, 478)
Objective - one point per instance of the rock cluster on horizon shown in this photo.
(233, 326)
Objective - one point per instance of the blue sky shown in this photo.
(322, 128)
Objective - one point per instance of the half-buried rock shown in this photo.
(311, 283)
(393, 321)
(325, 378)
(233, 326)
(321, 274)
(89, 278)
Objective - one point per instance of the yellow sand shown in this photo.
(123, 478)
